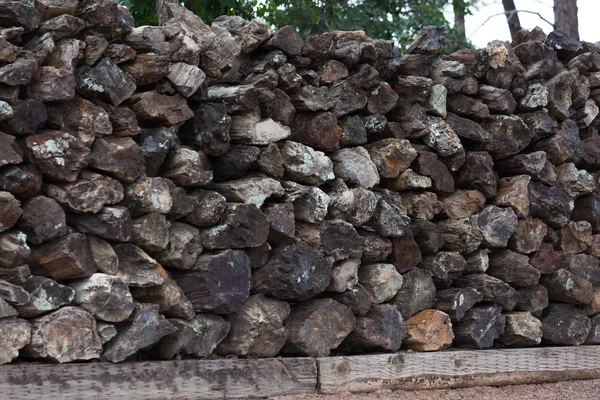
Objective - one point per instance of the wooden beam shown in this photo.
(453, 369)
(197, 379)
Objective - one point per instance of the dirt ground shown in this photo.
(571, 390)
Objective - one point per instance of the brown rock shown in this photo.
(104, 296)
(463, 203)
(10, 211)
(23, 181)
(154, 108)
(529, 236)
(567, 287)
(13, 249)
(428, 164)
(522, 330)
(15, 334)
(104, 256)
(66, 335)
(184, 247)
(513, 268)
(59, 155)
(120, 157)
(576, 237)
(585, 266)
(509, 135)
(514, 192)
(460, 235)
(106, 81)
(564, 146)
(533, 299)
(406, 253)
(88, 194)
(320, 130)
(391, 156)
(169, 297)
(587, 208)
(429, 330)
(68, 257)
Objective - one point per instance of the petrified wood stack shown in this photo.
(187, 190)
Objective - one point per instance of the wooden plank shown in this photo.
(457, 369)
(186, 379)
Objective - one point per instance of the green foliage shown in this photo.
(399, 20)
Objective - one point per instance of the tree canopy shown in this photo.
(399, 20)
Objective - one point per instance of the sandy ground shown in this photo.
(572, 390)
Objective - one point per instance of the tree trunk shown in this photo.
(565, 17)
(459, 18)
(512, 18)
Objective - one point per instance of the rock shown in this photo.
(509, 135)
(9, 154)
(67, 257)
(441, 137)
(236, 162)
(66, 335)
(208, 209)
(513, 268)
(88, 194)
(565, 324)
(480, 327)
(169, 297)
(353, 132)
(460, 235)
(355, 167)
(390, 219)
(535, 97)
(382, 281)
(19, 72)
(52, 84)
(111, 223)
(550, 204)
(10, 211)
(514, 192)
(244, 225)
(522, 330)
(120, 157)
(381, 329)
(564, 146)
(104, 296)
(585, 266)
(281, 218)
(414, 89)
(197, 338)
(429, 330)
(13, 294)
(218, 282)
(587, 208)
(58, 155)
(529, 236)
(44, 295)
(210, 128)
(157, 109)
(467, 107)
(293, 272)
(138, 269)
(13, 249)
(463, 204)
(593, 335)
(304, 165)
(257, 329)
(575, 182)
(456, 302)
(405, 253)
(106, 81)
(444, 266)
(410, 180)
(318, 130)
(186, 78)
(416, 294)
(566, 287)
(252, 189)
(427, 236)
(437, 101)
(533, 299)
(478, 173)
(478, 261)
(147, 195)
(391, 156)
(344, 275)
(184, 247)
(187, 168)
(547, 260)
(104, 256)
(23, 181)
(15, 334)
(146, 328)
(318, 326)
(428, 164)
(594, 250)
(493, 289)
(357, 298)
(285, 39)
(576, 237)
(496, 225)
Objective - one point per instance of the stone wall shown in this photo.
(196, 191)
